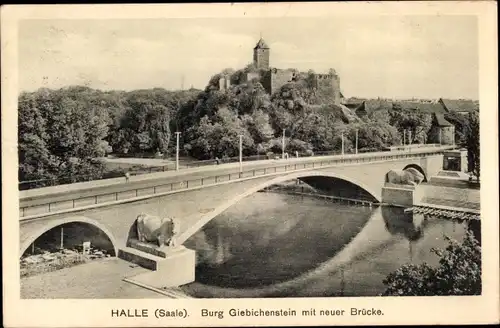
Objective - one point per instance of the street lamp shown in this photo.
(356, 141)
(241, 153)
(177, 152)
(283, 146)
(342, 135)
(409, 140)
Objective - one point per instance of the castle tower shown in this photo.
(261, 55)
(335, 85)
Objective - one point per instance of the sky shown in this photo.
(375, 56)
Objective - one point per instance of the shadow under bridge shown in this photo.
(337, 187)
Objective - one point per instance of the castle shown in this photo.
(272, 79)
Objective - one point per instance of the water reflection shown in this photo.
(259, 248)
(275, 245)
(407, 224)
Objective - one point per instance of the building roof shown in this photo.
(422, 107)
(360, 110)
(430, 107)
(440, 121)
(354, 101)
(372, 105)
(460, 105)
(261, 44)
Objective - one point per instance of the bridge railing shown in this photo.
(39, 206)
(141, 169)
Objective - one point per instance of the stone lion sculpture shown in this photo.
(162, 231)
(418, 177)
(409, 176)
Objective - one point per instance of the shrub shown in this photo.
(458, 273)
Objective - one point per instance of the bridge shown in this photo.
(196, 196)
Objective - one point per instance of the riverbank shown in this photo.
(44, 261)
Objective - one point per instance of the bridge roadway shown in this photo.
(197, 195)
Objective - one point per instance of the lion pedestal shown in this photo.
(401, 187)
(156, 249)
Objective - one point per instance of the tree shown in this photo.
(249, 97)
(374, 135)
(461, 124)
(458, 273)
(259, 128)
(472, 142)
(146, 122)
(61, 133)
(218, 136)
(417, 123)
(35, 160)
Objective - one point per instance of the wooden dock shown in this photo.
(457, 213)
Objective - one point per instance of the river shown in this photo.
(279, 245)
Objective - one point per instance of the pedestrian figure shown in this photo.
(127, 176)
(296, 154)
(217, 160)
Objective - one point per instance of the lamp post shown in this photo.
(356, 141)
(62, 238)
(241, 153)
(342, 135)
(283, 146)
(177, 151)
(409, 140)
(404, 137)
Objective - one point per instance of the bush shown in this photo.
(458, 273)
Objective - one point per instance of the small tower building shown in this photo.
(261, 55)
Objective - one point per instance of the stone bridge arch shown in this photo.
(33, 236)
(205, 218)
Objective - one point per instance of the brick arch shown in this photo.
(376, 194)
(54, 224)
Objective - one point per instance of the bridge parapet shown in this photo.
(57, 201)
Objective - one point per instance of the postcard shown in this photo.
(250, 164)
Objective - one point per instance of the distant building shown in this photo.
(364, 107)
(261, 54)
(224, 82)
(272, 79)
(442, 131)
(367, 106)
(463, 107)
(419, 106)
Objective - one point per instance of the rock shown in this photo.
(49, 257)
(31, 260)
